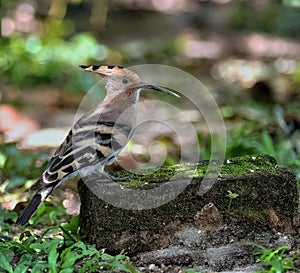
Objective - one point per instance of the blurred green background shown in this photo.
(246, 52)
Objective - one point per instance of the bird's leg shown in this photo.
(98, 172)
(117, 178)
(111, 176)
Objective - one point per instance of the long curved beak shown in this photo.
(145, 85)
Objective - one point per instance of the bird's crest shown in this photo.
(102, 69)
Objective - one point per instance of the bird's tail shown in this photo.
(33, 205)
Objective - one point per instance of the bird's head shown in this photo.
(120, 79)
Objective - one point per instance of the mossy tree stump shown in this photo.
(267, 196)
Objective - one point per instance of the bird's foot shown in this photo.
(97, 175)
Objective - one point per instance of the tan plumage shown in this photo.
(96, 138)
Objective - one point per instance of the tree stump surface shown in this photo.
(194, 228)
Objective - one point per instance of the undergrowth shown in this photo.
(58, 249)
(275, 261)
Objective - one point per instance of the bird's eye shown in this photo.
(125, 81)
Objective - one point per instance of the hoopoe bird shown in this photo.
(96, 138)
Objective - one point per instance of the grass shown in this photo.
(275, 261)
(42, 254)
(57, 249)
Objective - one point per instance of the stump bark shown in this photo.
(267, 199)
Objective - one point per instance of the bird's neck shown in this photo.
(127, 97)
(114, 107)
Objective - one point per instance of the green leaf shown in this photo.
(73, 253)
(52, 259)
(2, 160)
(92, 264)
(106, 257)
(68, 270)
(39, 267)
(232, 195)
(72, 227)
(37, 247)
(268, 143)
(4, 263)
(21, 268)
(126, 267)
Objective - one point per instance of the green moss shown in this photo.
(248, 164)
(239, 166)
(251, 214)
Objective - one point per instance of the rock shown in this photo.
(246, 269)
(226, 256)
(197, 227)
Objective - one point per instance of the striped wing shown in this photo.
(86, 145)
